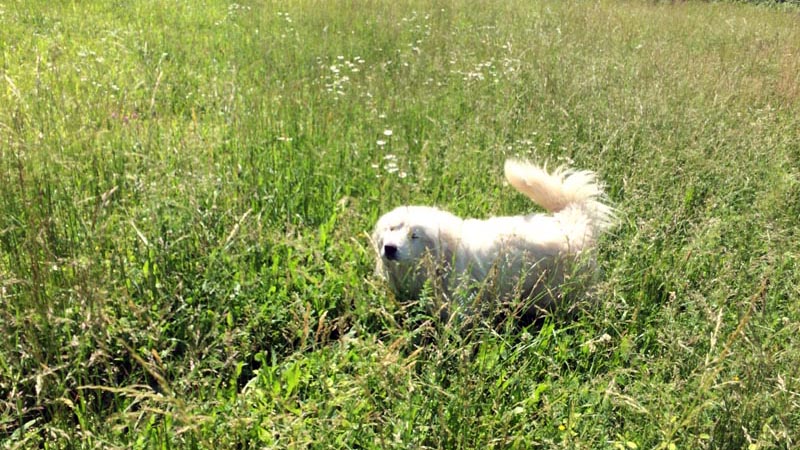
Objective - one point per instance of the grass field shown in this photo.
(187, 188)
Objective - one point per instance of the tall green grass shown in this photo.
(187, 188)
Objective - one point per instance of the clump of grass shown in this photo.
(187, 190)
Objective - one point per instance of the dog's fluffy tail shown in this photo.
(561, 189)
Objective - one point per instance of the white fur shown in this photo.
(507, 256)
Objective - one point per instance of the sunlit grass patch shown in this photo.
(187, 190)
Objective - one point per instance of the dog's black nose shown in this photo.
(390, 251)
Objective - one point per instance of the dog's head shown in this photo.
(405, 234)
(408, 237)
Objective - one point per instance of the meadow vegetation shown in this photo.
(187, 189)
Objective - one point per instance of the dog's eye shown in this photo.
(414, 235)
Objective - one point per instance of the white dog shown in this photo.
(505, 257)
